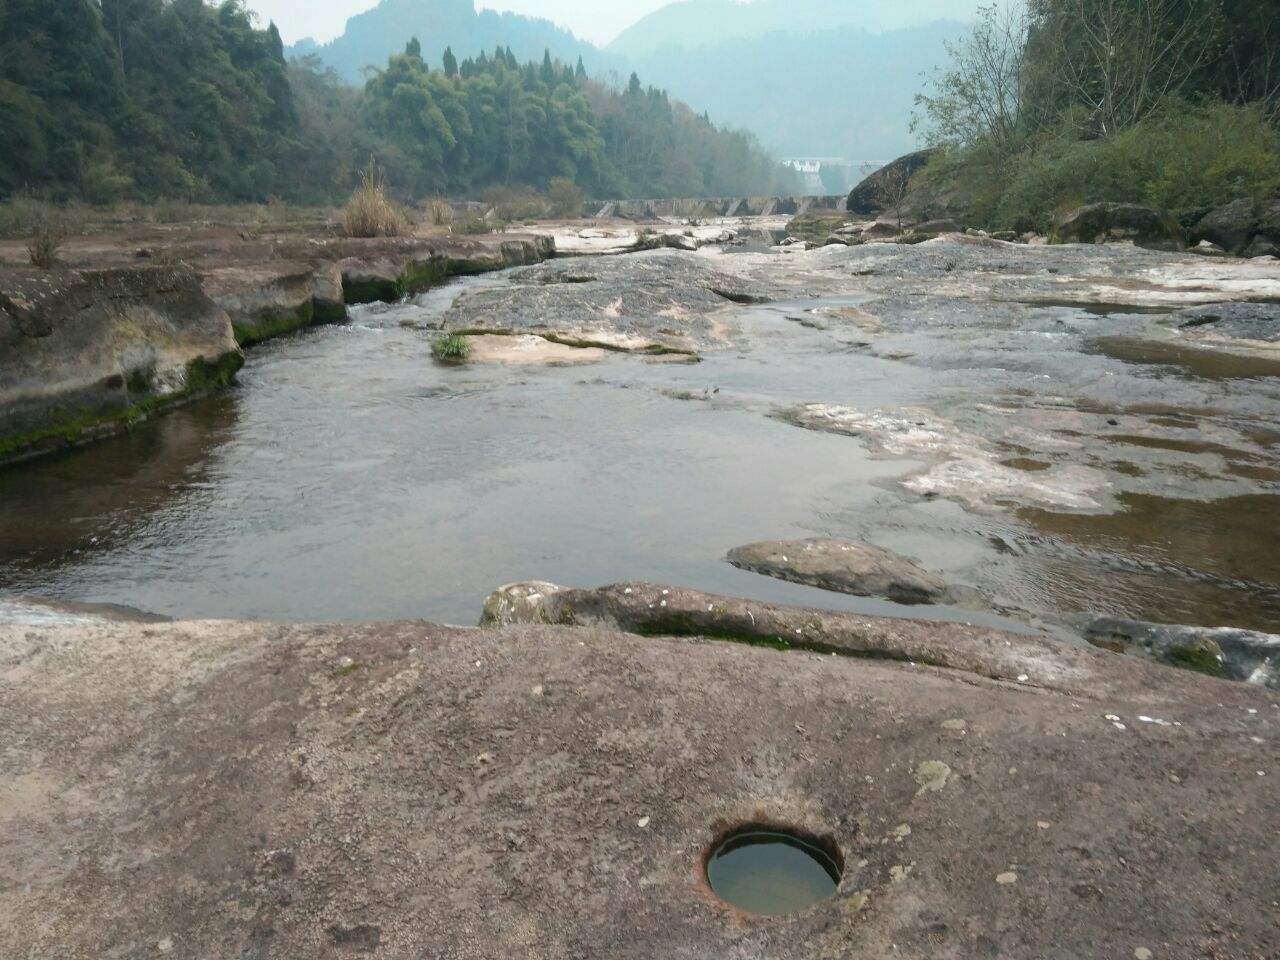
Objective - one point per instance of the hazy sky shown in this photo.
(596, 20)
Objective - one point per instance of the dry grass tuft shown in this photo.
(441, 213)
(369, 213)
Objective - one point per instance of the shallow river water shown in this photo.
(348, 478)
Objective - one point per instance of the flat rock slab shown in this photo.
(528, 349)
(657, 301)
(843, 566)
(407, 791)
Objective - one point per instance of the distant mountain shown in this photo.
(840, 93)
(371, 37)
(693, 24)
(810, 78)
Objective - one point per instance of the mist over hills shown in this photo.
(818, 78)
(371, 37)
(691, 24)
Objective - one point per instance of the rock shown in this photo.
(884, 188)
(665, 241)
(1241, 655)
(85, 353)
(1262, 247)
(843, 566)
(1109, 222)
(276, 298)
(1231, 226)
(279, 807)
(817, 226)
(835, 240)
(882, 230)
(938, 226)
(662, 302)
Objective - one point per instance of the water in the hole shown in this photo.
(771, 874)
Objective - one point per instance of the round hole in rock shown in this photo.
(772, 871)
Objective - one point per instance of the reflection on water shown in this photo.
(772, 874)
(1194, 361)
(1173, 561)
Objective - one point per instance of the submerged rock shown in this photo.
(844, 566)
(1242, 655)
(1107, 222)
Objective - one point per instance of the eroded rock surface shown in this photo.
(84, 353)
(659, 302)
(235, 790)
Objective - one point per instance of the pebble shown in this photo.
(1005, 879)
(643, 822)
(953, 724)
(1044, 824)
(1142, 953)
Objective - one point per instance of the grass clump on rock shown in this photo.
(369, 213)
(452, 348)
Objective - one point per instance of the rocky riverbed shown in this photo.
(1000, 521)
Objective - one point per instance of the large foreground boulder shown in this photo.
(888, 185)
(86, 353)
(1114, 222)
(407, 791)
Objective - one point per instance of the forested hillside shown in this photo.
(1173, 103)
(152, 99)
(143, 98)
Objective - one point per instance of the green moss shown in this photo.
(370, 291)
(275, 325)
(1202, 656)
(421, 275)
(68, 426)
(349, 670)
(139, 382)
(328, 313)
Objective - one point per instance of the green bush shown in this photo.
(1185, 156)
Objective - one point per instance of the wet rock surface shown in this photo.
(1242, 655)
(227, 789)
(649, 303)
(848, 567)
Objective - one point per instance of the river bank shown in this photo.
(135, 322)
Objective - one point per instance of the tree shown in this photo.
(1119, 59)
(450, 63)
(981, 96)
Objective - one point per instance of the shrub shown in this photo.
(472, 226)
(566, 197)
(523, 204)
(1184, 156)
(44, 245)
(370, 213)
(451, 348)
(441, 213)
